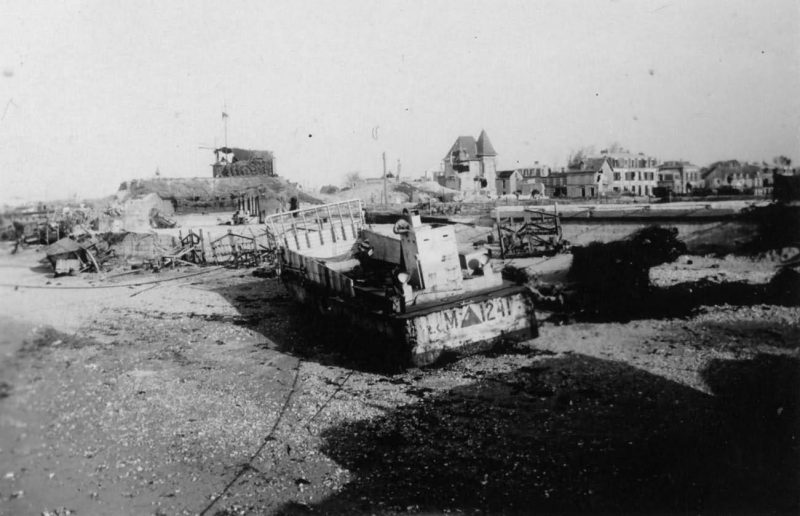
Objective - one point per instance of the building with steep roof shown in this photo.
(508, 182)
(470, 165)
(734, 176)
(591, 178)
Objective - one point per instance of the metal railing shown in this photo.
(316, 227)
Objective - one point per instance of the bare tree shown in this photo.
(352, 178)
(576, 157)
(782, 161)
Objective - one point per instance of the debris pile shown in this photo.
(80, 253)
(235, 250)
(530, 233)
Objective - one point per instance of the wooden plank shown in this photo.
(94, 262)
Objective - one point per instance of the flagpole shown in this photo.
(225, 120)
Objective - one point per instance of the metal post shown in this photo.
(341, 220)
(330, 221)
(305, 229)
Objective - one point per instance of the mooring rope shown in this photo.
(247, 466)
(121, 285)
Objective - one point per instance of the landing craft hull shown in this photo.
(423, 333)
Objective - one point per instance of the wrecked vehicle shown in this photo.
(67, 256)
(409, 289)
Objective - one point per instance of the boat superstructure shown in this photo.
(411, 288)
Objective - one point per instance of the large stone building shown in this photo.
(469, 166)
(635, 174)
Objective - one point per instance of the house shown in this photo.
(590, 178)
(554, 184)
(733, 176)
(508, 182)
(531, 180)
(470, 165)
(679, 177)
(633, 173)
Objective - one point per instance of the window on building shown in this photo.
(617, 176)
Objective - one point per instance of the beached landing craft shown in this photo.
(411, 288)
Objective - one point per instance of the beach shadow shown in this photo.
(42, 268)
(625, 302)
(575, 434)
(266, 307)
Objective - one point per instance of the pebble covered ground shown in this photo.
(218, 395)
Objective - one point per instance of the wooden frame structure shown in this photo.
(324, 231)
(529, 233)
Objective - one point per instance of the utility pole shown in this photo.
(397, 177)
(385, 196)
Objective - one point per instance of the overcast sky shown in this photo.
(96, 92)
